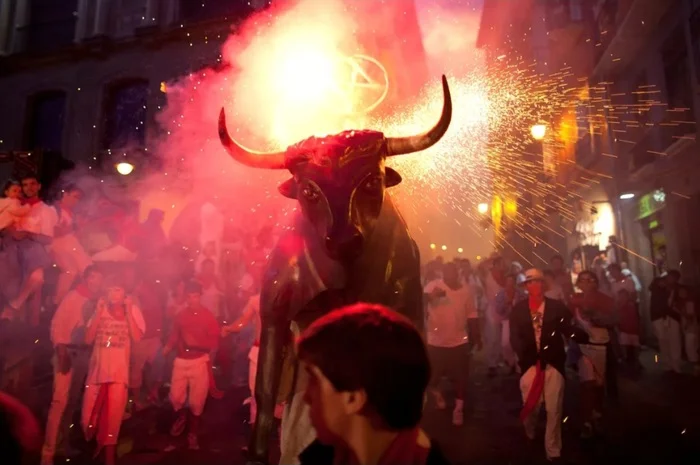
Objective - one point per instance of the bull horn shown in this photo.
(271, 160)
(402, 145)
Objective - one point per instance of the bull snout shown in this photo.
(346, 246)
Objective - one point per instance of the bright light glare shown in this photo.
(483, 208)
(627, 196)
(444, 247)
(432, 246)
(124, 168)
(309, 76)
(538, 131)
(460, 250)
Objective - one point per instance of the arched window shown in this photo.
(46, 118)
(51, 24)
(125, 114)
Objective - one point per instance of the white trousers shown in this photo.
(71, 258)
(192, 375)
(668, 332)
(116, 404)
(553, 397)
(66, 398)
(297, 433)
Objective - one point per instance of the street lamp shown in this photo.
(538, 131)
(444, 247)
(124, 168)
(432, 246)
(460, 250)
(483, 208)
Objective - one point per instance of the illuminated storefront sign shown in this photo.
(651, 203)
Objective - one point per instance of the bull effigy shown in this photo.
(348, 244)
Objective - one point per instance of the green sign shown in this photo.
(651, 203)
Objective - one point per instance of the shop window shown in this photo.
(125, 114)
(52, 25)
(46, 119)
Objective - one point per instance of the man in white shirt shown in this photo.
(37, 231)
(68, 252)
(70, 360)
(450, 305)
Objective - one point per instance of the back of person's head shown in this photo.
(372, 348)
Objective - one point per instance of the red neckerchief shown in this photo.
(30, 201)
(83, 290)
(404, 450)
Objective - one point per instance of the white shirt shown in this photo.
(537, 318)
(109, 362)
(68, 324)
(626, 284)
(41, 219)
(447, 316)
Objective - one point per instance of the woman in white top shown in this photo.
(116, 324)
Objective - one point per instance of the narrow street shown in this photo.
(657, 422)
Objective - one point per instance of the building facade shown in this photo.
(634, 161)
(84, 78)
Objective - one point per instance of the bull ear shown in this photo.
(392, 177)
(288, 188)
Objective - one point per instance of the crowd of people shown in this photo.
(147, 315)
(537, 323)
(141, 316)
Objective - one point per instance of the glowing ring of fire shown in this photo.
(356, 68)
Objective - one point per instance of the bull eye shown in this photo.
(373, 185)
(310, 193)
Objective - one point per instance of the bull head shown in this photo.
(340, 180)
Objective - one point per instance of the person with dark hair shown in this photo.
(666, 320)
(194, 336)
(538, 327)
(595, 314)
(34, 235)
(70, 362)
(67, 251)
(11, 209)
(450, 306)
(116, 325)
(366, 398)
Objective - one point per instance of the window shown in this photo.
(125, 114)
(46, 117)
(126, 16)
(52, 25)
(678, 90)
(202, 10)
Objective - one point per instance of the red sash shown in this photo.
(534, 394)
